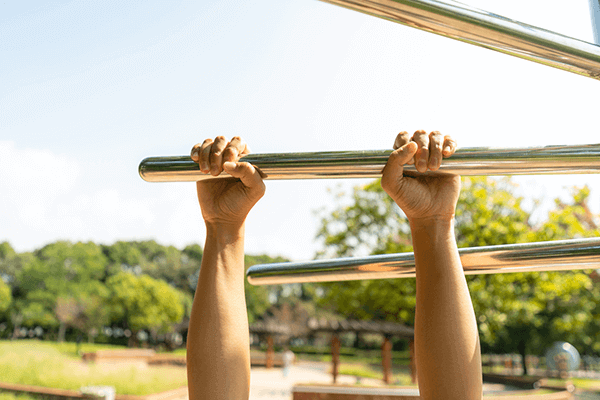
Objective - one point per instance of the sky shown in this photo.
(90, 88)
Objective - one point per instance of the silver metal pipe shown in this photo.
(526, 257)
(582, 159)
(485, 29)
(595, 16)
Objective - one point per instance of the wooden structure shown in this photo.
(370, 393)
(125, 355)
(268, 328)
(387, 329)
(63, 394)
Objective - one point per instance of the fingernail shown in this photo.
(422, 164)
(228, 165)
(195, 155)
(447, 149)
(204, 166)
(434, 161)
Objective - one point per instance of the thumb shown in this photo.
(245, 172)
(392, 172)
(398, 158)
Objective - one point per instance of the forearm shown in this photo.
(218, 358)
(446, 338)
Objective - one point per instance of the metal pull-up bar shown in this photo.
(526, 257)
(580, 159)
(485, 29)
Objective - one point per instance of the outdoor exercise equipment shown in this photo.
(467, 24)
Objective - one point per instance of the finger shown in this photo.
(203, 153)
(249, 176)
(395, 165)
(194, 152)
(235, 149)
(436, 140)
(422, 156)
(216, 155)
(403, 138)
(449, 146)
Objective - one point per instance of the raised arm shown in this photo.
(447, 347)
(218, 350)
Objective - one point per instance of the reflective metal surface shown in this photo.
(583, 159)
(526, 257)
(595, 16)
(484, 29)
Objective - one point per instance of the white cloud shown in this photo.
(32, 180)
(44, 199)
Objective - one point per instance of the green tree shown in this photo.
(85, 310)
(513, 310)
(59, 269)
(5, 297)
(257, 297)
(143, 302)
(7, 261)
(160, 262)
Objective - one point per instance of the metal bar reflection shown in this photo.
(485, 29)
(582, 159)
(526, 257)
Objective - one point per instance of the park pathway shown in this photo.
(270, 384)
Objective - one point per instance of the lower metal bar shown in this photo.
(583, 159)
(526, 257)
(488, 30)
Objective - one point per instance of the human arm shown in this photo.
(447, 347)
(218, 350)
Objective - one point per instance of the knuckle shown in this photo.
(207, 141)
(230, 153)
(421, 137)
(245, 167)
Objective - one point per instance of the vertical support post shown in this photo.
(386, 360)
(270, 352)
(335, 355)
(595, 16)
(413, 362)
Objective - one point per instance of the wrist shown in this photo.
(432, 231)
(225, 232)
(224, 248)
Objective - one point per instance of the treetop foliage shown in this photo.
(65, 286)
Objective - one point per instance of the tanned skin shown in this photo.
(446, 337)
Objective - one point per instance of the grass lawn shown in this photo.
(581, 383)
(12, 396)
(58, 366)
(400, 376)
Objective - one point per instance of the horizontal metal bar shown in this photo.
(583, 159)
(485, 29)
(527, 257)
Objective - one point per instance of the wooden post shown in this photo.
(270, 352)
(386, 360)
(335, 355)
(413, 362)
